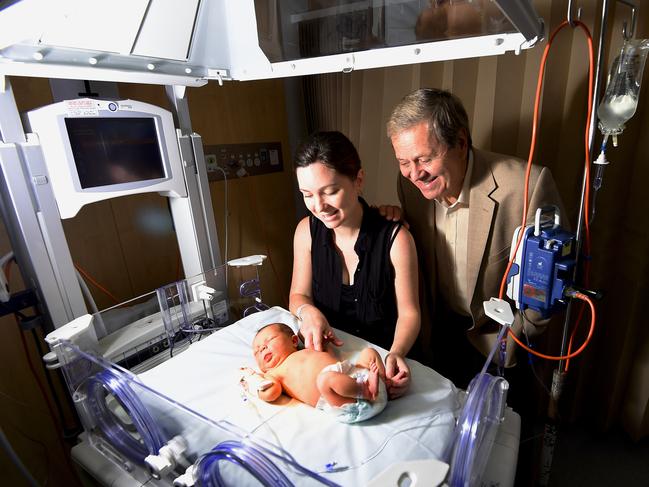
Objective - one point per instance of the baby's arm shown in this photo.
(272, 391)
(266, 387)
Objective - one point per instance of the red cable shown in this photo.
(96, 284)
(48, 403)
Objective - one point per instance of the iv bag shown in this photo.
(621, 97)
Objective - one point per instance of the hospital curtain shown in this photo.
(608, 384)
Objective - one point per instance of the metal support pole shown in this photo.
(193, 216)
(37, 237)
(591, 141)
(558, 375)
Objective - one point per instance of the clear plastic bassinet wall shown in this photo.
(139, 429)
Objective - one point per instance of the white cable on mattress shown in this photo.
(333, 468)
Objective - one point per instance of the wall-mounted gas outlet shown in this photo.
(241, 160)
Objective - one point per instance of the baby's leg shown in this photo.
(338, 388)
(371, 360)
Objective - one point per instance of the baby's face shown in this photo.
(271, 346)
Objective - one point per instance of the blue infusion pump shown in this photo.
(543, 266)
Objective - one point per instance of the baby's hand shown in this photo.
(254, 382)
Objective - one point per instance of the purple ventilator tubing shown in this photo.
(477, 426)
(252, 460)
(113, 429)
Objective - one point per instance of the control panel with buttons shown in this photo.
(241, 160)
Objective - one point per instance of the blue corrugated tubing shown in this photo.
(114, 431)
(472, 433)
(252, 460)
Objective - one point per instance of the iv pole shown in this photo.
(559, 374)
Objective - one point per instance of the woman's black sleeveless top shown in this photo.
(368, 308)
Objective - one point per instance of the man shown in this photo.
(463, 205)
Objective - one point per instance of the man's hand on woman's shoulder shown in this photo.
(392, 213)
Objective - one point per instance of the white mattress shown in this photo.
(205, 379)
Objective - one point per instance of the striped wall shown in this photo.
(609, 382)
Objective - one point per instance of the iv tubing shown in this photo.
(529, 169)
(583, 216)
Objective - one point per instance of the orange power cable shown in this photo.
(539, 87)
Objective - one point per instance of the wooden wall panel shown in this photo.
(95, 247)
(261, 209)
(147, 241)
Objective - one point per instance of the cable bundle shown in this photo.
(151, 438)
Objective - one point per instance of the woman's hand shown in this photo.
(397, 375)
(315, 329)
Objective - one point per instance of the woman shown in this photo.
(352, 268)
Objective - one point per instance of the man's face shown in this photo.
(271, 346)
(438, 171)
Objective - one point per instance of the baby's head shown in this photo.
(272, 344)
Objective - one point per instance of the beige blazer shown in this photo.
(495, 210)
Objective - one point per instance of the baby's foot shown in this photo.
(370, 388)
(375, 364)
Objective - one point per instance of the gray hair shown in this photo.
(442, 110)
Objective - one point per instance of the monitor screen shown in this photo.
(110, 151)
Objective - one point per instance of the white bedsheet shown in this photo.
(205, 379)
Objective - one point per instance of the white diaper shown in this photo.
(360, 410)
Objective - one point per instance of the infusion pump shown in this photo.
(543, 265)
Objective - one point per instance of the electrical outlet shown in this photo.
(210, 162)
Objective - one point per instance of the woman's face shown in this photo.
(331, 197)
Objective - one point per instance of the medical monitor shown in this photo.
(96, 150)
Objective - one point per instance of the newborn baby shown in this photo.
(351, 392)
